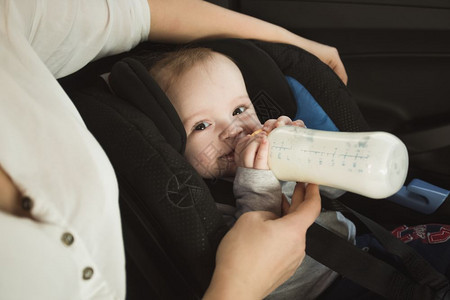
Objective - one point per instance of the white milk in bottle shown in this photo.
(372, 164)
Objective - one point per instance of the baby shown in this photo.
(209, 94)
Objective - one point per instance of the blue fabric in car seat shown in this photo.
(308, 110)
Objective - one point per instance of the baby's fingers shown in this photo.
(262, 155)
(299, 123)
(246, 151)
(271, 124)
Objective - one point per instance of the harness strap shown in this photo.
(421, 280)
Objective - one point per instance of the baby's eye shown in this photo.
(201, 126)
(239, 110)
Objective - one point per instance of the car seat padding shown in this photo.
(163, 192)
(130, 80)
(321, 81)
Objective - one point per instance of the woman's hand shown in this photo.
(262, 251)
(327, 54)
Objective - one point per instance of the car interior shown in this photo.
(396, 54)
(397, 57)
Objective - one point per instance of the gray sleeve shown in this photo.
(256, 190)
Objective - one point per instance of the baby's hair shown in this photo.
(172, 65)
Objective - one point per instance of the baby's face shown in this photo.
(212, 102)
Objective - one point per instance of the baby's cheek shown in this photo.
(237, 159)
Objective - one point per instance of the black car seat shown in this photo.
(170, 223)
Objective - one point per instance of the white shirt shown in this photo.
(49, 153)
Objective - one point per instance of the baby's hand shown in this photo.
(271, 124)
(252, 152)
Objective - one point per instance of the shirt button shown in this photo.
(27, 203)
(88, 272)
(67, 238)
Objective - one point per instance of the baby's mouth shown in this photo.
(228, 157)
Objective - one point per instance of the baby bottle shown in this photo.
(372, 164)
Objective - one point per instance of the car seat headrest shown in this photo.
(130, 80)
(321, 82)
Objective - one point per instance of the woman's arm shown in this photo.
(262, 251)
(188, 20)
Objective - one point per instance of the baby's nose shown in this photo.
(231, 131)
(232, 134)
(234, 140)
